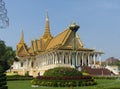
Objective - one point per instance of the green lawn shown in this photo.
(102, 84)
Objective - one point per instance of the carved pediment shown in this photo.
(22, 51)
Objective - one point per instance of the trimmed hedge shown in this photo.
(65, 81)
(19, 77)
(62, 71)
(106, 77)
(63, 77)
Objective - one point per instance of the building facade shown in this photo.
(49, 52)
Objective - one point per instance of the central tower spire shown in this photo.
(47, 28)
(22, 37)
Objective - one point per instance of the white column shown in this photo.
(66, 58)
(60, 57)
(53, 58)
(94, 59)
(91, 59)
(100, 59)
(49, 58)
(85, 59)
(45, 58)
(69, 58)
(56, 58)
(63, 58)
(88, 59)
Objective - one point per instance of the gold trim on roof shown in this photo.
(59, 39)
(63, 41)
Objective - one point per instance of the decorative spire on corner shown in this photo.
(22, 37)
(47, 27)
(47, 18)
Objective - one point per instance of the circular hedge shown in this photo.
(62, 71)
(63, 77)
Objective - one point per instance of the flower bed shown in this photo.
(63, 77)
(65, 81)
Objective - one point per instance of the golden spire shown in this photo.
(47, 27)
(22, 37)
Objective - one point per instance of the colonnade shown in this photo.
(67, 57)
(57, 58)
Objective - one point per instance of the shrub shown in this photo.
(63, 81)
(3, 81)
(19, 77)
(62, 71)
(63, 77)
(106, 77)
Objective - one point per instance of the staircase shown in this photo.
(114, 69)
(96, 71)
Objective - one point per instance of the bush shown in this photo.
(3, 81)
(62, 71)
(106, 77)
(63, 81)
(19, 77)
(63, 77)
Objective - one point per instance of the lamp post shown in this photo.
(74, 27)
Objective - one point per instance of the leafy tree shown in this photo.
(7, 56)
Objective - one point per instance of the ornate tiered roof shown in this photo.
(62, 41)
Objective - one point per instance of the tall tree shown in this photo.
(7, 55)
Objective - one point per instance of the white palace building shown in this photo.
(48, 52)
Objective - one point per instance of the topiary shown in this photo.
(62, 71)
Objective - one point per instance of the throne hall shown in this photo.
(48, 52)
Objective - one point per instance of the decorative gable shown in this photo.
(22, 51)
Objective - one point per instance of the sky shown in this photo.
(99, 22)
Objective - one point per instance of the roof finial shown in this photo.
(47, 18)
(22, 37)
(47, 27)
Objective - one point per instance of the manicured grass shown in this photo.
(102, 84)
